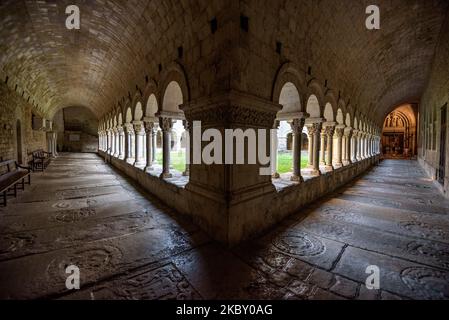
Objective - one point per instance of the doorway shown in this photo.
(442, 165)
(19, 141)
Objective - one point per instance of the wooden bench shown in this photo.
(11, 175)
(41, 159)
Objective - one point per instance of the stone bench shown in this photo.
(11, 175)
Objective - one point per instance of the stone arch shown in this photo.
(340, 118)
(328, 112)
(128, 114)
(314, 88)
(330, 98)
(348, 120)
(174, 74)
(172, 98)
(290, 99)
(288, 72)
(151, 89)
(151, 107)
(138, 112)
(313, 107)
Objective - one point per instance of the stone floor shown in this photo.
(128, 245)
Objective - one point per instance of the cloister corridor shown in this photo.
(128, 245)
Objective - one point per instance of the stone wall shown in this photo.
(434, 98)
(14, 110)
(77, 130)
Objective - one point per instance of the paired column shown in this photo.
(186, 125)
(274, 150)
(166, 125)
(297, 125)
(354, 146)
(348, 137)
(120, 142)
(314, 131)
(329, 131)
(323, 147)
(116, 142)
(128, 133)
(339, 134)
(138, 144)
(359, 146)
(150, 132)
(51, 144)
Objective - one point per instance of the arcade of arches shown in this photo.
(359, 159)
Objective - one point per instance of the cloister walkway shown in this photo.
(128, 245)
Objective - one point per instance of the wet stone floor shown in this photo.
(129, 245)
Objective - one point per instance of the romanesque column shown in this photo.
(187, 142)
(359, 145)
(310, 145)
(316, 128)
(154, 145)
(128, 133)
(330, 129)
(323, 147)
(120, 142)
(149, 131)
(338, 159)
(274, 150)
(348, 138)
(115, 142)
(354, 146)
(166, 126)
(297, 125)
(138, 141)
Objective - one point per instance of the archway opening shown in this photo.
(399, 133)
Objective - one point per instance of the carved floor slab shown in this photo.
(128, 245)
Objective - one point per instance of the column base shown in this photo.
(315, 173)
(347, 162)
(138, 164)
(149, 168)
(275, 175)
(186, 173)
(165, 175)
(297, 178)
(328, 168)
(337, 165)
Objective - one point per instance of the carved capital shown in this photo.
(149, 127)
(166, 124)
(329, 131)
(314, 128)
(186, 125)
(339, 132)
(297, 125)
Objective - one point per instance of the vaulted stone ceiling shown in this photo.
(97, 65)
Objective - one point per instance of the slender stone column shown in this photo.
(316, 131)
(149, 131)
(297, 125)
(138, 132)
(354, 146)
(348, 139)
(310, 146)
(359, 146)
(323, 147)
(187, 142)
(330, 129)
(154, 146)
(166, 126)
(339, 134)
(128, 132)
(116, 143)
(120, 142)
(274, 150)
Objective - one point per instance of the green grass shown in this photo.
(285, 162)
(177, 160)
